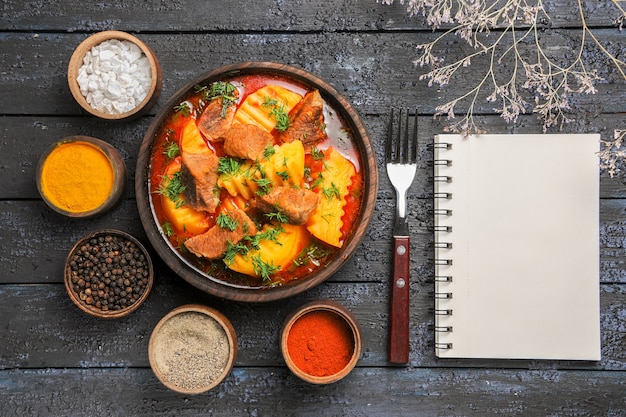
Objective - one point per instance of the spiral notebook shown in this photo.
(517, 246)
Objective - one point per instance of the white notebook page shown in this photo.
(524, 247)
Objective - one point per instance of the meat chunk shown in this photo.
(296, 204)
(213, 243)
(306, 121)
(199, 174)
(211, 123)
(246, 141)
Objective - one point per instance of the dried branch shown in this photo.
(611, 155)
(502, 31)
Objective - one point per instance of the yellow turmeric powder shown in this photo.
(77, 177)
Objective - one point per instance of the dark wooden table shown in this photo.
(55, 360)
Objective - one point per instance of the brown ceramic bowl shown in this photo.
(192, 349)
(77, 61)
(53, 189)
(208, 282)
(85, 292)
(299, 330)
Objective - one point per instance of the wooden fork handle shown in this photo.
(399, 314)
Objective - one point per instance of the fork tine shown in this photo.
(405, 142)
(398, 141)
(389, 140)
(415, 141)
(401, 145)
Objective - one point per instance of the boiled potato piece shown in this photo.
(286, 165)
(325, 222)
(276, 254)
(241, 183)
(191, 139)
(182, 217)
(260, 108)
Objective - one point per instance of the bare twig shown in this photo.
(549, 83)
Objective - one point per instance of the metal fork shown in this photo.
(401, 164)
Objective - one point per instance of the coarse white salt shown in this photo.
(115, 76)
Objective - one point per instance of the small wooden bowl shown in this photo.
(192, 349)
(78, 293)
(55, 201)
(76, 61)
(340, 318)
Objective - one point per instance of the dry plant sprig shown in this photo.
(619, 21)
(612, 155)
(501, 31)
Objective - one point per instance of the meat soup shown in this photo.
(255, 180)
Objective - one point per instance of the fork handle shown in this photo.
(399, 326)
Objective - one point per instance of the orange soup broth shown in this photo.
(313, 256)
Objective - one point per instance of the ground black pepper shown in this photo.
(109, 272)
(191, 350)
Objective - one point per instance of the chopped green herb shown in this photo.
(278, 112)
(172, 187)
(181, 246)
(269, 234)
(263, 182)
(263, 269)
(226, 222)
(168, 230)
(234, 249)
(317, 154)
(318, 181)
(282, 119)
(216, 190)
(252, 170)
(313, 253)
(269, 151)
(264, 185)
(228, 166)
(331, 191)
(284, 175)
(278, 215)
(226, 91)
(184, 108)
(171, 149)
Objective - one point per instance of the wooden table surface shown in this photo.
(55, 360)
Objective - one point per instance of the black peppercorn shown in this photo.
(103, 275)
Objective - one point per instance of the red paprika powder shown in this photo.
(320, 343)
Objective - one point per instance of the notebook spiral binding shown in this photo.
(443, 295)
(443, 278)
(445, 229)
(440, 145)
(443, 260)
